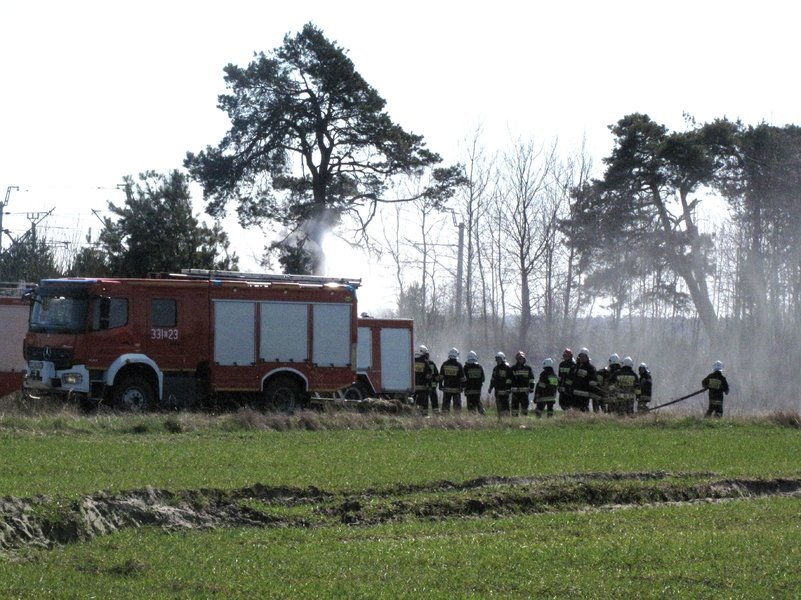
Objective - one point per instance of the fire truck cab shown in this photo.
(180, 339)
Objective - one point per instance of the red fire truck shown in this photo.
(181, 339)
(14, 320)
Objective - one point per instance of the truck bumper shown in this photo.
(44, 378)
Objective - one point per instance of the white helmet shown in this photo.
(718, 366)
(500, 356)
(548, 362)
(585, 352)
(627, 362)
(453, 353)
(422, 350)
(642, 367)
(614, 359)
(472, 357)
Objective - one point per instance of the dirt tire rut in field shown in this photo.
(45, 521)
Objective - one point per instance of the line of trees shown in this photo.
(153, 230)
(686, 249)
(545, 247)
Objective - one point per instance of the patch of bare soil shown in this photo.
(44, 521)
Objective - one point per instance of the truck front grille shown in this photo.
(61, 357)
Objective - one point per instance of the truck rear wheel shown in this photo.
(133, 394)
(358, 391)
(282, 395)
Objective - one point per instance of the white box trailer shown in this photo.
(384, 358)
(14, 320)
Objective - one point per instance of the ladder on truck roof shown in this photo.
(268, 277)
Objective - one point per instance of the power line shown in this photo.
(2, 209)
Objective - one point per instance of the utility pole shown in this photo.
(457, 308)
(459, 273)
(2, 210)
(35, 219)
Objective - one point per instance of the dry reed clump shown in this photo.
(583, 417)
(248, 418)
(310, 421)
(177, 424)
(355, 420)
(344, 419)
(457, 421)
(787, 418)
(18, 405)
(43, 416)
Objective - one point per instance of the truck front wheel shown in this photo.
(133, 394)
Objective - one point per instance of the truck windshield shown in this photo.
(59, 311)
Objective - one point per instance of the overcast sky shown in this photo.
(92, 91)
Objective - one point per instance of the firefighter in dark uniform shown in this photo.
(606, 399)
(522, 384)
(614, 367)
(474, 373)
(433, 394)
(452, 381)
(624, 383)
(584, 383)
(717, 385)
(565, 383)
(545, 392)
(422, 379)
(602, 404)
(501, 381)
(645, 389)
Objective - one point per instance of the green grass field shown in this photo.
(416, 536)
(739, 549)
(80, 460)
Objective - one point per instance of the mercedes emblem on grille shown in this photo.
(47, 353)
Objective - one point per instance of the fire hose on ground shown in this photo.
(701, 391)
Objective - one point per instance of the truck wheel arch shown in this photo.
(299, 377)
(140, 364)
(283, 390)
